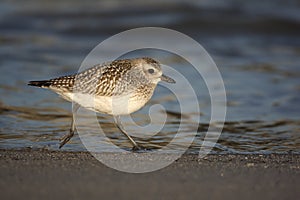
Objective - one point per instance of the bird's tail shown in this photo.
(40, 83)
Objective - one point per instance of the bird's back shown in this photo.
(102, 79)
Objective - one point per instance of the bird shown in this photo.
(118, 87)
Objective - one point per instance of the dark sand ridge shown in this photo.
(32, 174)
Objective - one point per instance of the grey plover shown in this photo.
(117, 88)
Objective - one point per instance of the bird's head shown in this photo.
(152, 71)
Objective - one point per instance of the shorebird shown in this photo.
(117, 88)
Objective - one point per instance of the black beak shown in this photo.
(167, 79)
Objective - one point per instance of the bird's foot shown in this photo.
(66, 138)
(138, 149)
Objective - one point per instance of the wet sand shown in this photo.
(41, 174)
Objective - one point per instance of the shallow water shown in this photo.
(255, 45)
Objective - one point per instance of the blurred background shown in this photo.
(255, 44)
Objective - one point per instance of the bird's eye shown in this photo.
(151, 71)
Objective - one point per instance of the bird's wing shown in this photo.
(108, 79)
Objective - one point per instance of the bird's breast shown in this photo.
(112, 105)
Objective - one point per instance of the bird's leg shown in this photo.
(120, 126)
(69, 135)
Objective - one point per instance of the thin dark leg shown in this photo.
(66, 138)
(120, 126)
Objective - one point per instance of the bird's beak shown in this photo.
(167, 79)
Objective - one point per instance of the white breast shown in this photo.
(117, 105)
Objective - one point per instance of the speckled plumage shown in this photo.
(126, 78)
(117, 88)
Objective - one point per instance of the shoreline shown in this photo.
(43, 174)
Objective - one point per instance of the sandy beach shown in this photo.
(41, 174)
(255, 46)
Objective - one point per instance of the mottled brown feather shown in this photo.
(108, 79)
